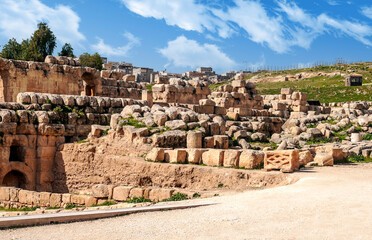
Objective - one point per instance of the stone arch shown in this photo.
(16, 179)
(90, 88)
(19, 167)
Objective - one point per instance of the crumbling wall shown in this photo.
(32, 129)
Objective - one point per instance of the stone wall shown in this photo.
(63, 76)
(180, 91)
(32, 129)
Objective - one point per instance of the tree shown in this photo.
(12, 50)
(42, 43)
(93, 61)
(67, 51)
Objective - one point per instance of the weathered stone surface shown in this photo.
(213, 157)
(175, 156)
(305, 157)
(121, 193)
(194, 155)
(100, 191)
(221, 141)
(282, 160)
(156, 155)
(231, 158)
(194, 139)
(159, 194)
(251, 159)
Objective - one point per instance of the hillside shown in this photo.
(326, 83)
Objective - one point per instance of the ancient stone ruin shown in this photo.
(72, 135)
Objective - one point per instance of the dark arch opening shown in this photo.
(16, 154)
(15, 179)
(89, 86)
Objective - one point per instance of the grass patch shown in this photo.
(70, 206)
(149, 87)
(368, 137)
(358, 159)
(83, 141)
(138, 200)
(24, 209)
(313, 141)
(213, 87)
(52, 208)
(196, 195)
(177, 197)
(105, 203)
(325, 89)
(133, 122)
(104, 133)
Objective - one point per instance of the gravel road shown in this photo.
(326, 203)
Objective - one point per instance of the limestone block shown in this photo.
(286, 91)
(121, 193)
(194, 155)
(51, 129)
(238, 83)
(55, 200)
(221, 141)
(25, 197)
(136, 192)
(156, 155)
(83, 130)
(100, 191)
(50, 59)
(233, 116)
(23, 98)
(97, 130)
(213, 157)
(194, 139)
(45, 199)
(14, 194)
(356, 138)
(77, 199)
(287, 160)
(336, 153)
(231, 158)
(175, 156)
(89, 201)
(4, 193)
(214, 128)
(160, 118)
(250, 159)
(208, 142)
(66, 198)
(305, 157)
(42, 117)
(35, 198)
(159, 194)
(176, 124)
(324, 159)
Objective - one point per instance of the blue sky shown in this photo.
(180, 35)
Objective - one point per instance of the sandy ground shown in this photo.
(326, 203)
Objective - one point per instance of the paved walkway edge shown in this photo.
(43, 219)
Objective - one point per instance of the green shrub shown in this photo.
(367, 137)
(177, 197)
(138, 200)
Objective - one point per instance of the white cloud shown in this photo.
(183, 52)
(102, 48)
(367, 11)
(279, 29)
(322, 24)
(186, 14)
(19, 19)
(333, 2)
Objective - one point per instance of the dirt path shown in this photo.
(327, 203)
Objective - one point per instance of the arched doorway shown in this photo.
(89, 86)
(15, 179)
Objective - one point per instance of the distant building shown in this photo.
(354, 80)
(192, 74)
(143, 74)
(104, 60)
(125, 68)
(208, 71)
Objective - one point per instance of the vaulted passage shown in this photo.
(89, 86)
(16, 154)
(15, 179)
